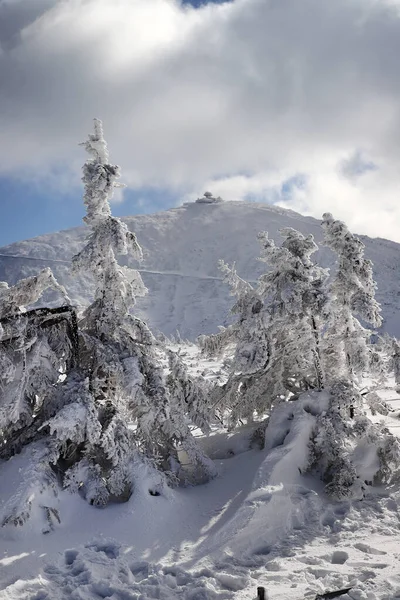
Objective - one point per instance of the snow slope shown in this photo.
(260, 523)
(181, 250)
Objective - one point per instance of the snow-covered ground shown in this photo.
(261, 522)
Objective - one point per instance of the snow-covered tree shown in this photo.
(118, 351)
(89, 398)
(389, 360)
(14, 300)
(294, 297)
(343, 435)
(396, 362)
(247, 338)
(251, 348)
(36, 492)
(242, 333)
(116, 286)
(191, 394)
(35, 347)
(277, 332)
(346, 346)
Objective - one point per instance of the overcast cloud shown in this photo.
(242, 98)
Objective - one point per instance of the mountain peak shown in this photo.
(181, 249)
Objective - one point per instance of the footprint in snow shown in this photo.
(70, 556)
(339, 557)
(391, 505)
(368, 549)
(110, 549)
(262, 551)
(319, 573)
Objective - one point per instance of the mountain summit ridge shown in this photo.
(181, 249)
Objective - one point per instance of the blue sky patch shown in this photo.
(200, 3)
(298, 181)
(28, 210)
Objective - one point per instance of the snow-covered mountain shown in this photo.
(180, 267)
(265, 520)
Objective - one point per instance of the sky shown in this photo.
(291, 102)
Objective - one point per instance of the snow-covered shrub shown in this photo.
(36, 495)
(327, 434)
(347, 450)
(15, 299)
(376, 404)
(36, 348)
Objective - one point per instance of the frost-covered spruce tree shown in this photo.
(389, 363)
(247, 337)
(343, 432)
(277, 334)
(352, 297)
(37, 347)
(34, 349)
(191, 394)
(189, 408)
(14, 300)
(116, 286)
(295, 299)
(251, 348)
(118, 351)
(396, 362)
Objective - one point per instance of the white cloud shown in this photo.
(192, 99)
